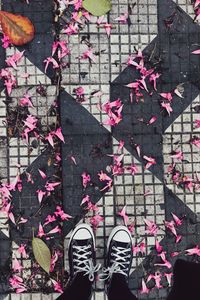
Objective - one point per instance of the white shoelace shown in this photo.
(119, 264)
(83, 264)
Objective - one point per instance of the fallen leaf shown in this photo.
(97, 7)
(42, 254)
(19, 29)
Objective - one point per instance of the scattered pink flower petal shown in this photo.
(54, 259)
(123, 19)
(59, 134)
(168, 277)
(120, 146)
(49, 138)
(17, 267)
(41, 194)
(43, 175)
(152, 120)
(193, 251)
(54, 230)
(57, 286)
(41, 232)
(177, 221)
(144, 289)
(165, 263)
(158, 247)
(196, 51)
(108, 28)
(123, 214)
(88, 54)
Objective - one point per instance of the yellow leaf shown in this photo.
(42, 254)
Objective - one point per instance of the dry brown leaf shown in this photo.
(18, 28)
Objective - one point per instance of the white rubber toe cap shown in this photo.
(82, 232)
(120, 234)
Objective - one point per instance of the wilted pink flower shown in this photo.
(150, 161)
(49, 219)
(104, 177)
(5, 41)
(51, 60)
(165, 263)
(95, 220)
(71, 29)
(22, 250)
(122, 18)
(62, 214)
(178, 155)
(79, 91)
(153, 78)
(85, 179)
(14, 59)
(167, 96)
(151, 227)
(133, 169)
(168, 107)
(193, 251)
(157, 277)
(197, 123)
(195, 141)
(88, 54)
(26, 101)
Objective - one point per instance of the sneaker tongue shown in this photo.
(83, 242)
(122, 245)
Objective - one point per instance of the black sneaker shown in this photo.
(119, 254)
(82, 252)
